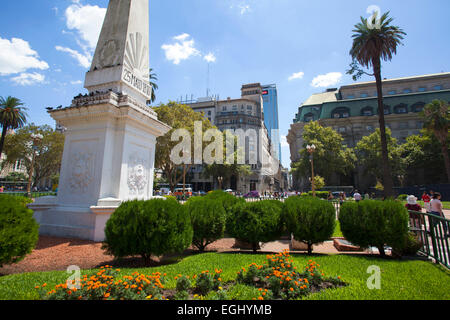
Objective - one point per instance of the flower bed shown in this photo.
(276, 279)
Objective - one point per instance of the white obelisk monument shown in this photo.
(111, 134)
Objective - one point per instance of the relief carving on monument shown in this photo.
(82, 175)
(136, 55)
(137, 175)
(108, 54)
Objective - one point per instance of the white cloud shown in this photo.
(87, 21)
(28, 79)
(84, 60)
(16, 56)
(210, 57)
(182, 49)
(77, 82)
(326, 80)
(298, 75)
(284, 142)
(244, 8)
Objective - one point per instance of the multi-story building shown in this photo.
(352, 111)
(271, 120)
(247, 114)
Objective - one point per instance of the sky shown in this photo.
(46, 47)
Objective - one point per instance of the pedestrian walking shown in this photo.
(437, 210)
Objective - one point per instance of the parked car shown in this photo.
(252, 194)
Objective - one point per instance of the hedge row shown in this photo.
(158, 227)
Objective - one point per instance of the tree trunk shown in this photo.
(255, 247)
(2, 140)
(387, 172)
(446, 159)
(310, 248)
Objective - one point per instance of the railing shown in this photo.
(33, 194)
(433, 233)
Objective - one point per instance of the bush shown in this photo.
(19, 231)
(310, 220)
(402, 197)
(319, 194)
(256, 222)
(146, 228)
(412, 246)
(375, 223)
(208, 218)
(227, 200)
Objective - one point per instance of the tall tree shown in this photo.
(375, 40)
(177, 116)
(331, 155)
(153, 78)
(48, 154)
(12, 116)
(437, 120)
(369, 153)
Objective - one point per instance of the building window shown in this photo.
(418, 107)
(209, 113)
(422, 89)
(403, 125)
(350, 96)
(364, 95)
(367, 112)
(387, 110)
(341, 112)
(419, 124)
(401, 108)
(342, 130)
(439, 87)
(369, 128)
(407, 91)
(309, 117)
(224, 108)
(392, 92)
(234, 108)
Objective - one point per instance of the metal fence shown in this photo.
(33, 194)
(433, 233)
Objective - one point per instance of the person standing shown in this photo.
(357, 196)
(437, 210)
(416, 220)
(426, 200)
(330, 196)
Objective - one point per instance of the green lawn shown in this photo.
(337, 231)
(407, 280)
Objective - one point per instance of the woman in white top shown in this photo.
(436, 205)
(437, 210)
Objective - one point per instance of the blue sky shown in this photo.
(302, 46)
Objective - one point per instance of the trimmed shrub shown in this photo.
(19, 231)
(227, 200)
(310, 220)
(402, 197)
(375, 223)
(256, 222)
(412, 246)
(147, 228)
(319, 194)
(208, 218)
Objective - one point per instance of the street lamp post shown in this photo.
(36, 139)
(311, 149)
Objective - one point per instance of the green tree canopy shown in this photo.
(331, 155)
(12, 116)
(368, 151)
(436, 117)
(177, 116)
(18, 146)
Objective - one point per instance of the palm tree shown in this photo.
(437, 119)
(370, 45)
(12, 116)
(152, 79)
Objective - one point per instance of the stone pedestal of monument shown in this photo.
(108, 158)
(111, 134)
